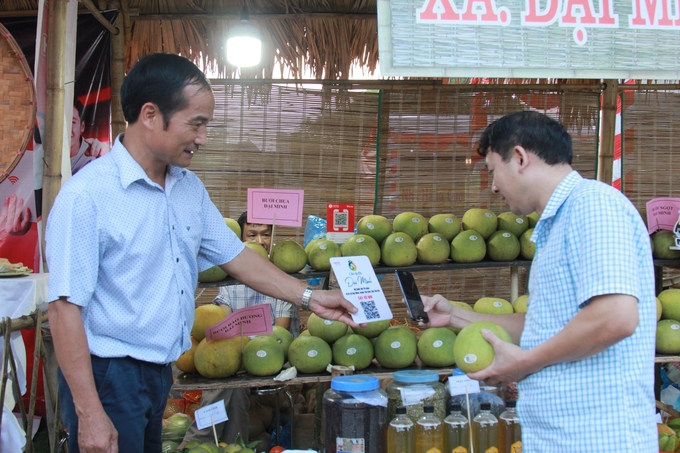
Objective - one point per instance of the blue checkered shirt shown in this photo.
(129, 253)
(590, 241)
(241, 296)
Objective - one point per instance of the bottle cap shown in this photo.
(416, 376)
(401, 410)
(355, 383)
(428, 409)
(485, 406)
(456, 407)
(511, 403)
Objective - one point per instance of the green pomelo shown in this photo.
(218, 358)
(432, 248)
(516, 224)
(448, 225)
(258, 248)
(263, 356)
(372, 329)
(309, 354)
(483, 221)
(326, 329)
(668, 336)
(502, 246)
(435, 347)
(670, 303)
(310, 244)
(289, 256)
(659, 309)
(464, 306)
(468, 247)
(398, 249)
(362, 245)
(284, 338)
(234, 226)
(353, 350)
(519, 305)
(662, 240)
(320, 254)
(212, 274)
(396, 347)
(304, 333)
(471, 350)
(533, 219)
(493, 306)
(376, 226)
(410, 223)
(527, 248)
(205, 316)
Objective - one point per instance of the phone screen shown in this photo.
(409, 290)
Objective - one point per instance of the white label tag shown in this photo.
(459, 384)
(415, 394)
(372, 398)
(212, 413)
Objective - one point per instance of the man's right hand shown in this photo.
(96, 434)
(14, 220)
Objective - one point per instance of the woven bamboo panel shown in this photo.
(17, 103)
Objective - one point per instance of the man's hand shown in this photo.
(332, 305)
(14, 220)
(439, 310)
(510, 363)
(96, 148)
(96, 434)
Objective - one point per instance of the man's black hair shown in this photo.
(533, 131)
(80, 108)
(159, 78)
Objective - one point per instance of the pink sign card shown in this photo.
(249, 321)
(662, 214)
(275, 206)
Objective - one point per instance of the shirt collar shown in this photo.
(130, 170)
(562, 191)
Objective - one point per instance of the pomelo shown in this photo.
(432, 248)
(398, 249)
(533, 219)
(353, 350)
(662, 240)
(659, 309)
(362, 245)
(218, 358)
(205, 316)
(212, 274)
(464, 306)
(668, 336)
(284, 338)
(185, 362)
(258, 248)
(471, 350)
(670, 303)
(396, 347)
(435, 347)
(320, 254)
(326, 329)
(493, 305)
(309, 354)
(468, 247)
(448, 225)
(516, 224)
(410, 223)
(502, 246)
(527, 248)
(263, 356)
(376, 226)
(519, 305)
(310, 244)
(234, 226)
(289, 256)
(483, 221)
(372, 329)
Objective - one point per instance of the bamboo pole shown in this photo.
(101, 19)
(54, 122)
(117, 73)
(607, 132)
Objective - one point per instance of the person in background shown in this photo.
(231, 298)
(585, 360)
(83, 150)
(15, 219)
(125, 241)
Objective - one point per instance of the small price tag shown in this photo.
(373, 398)
(213, 413)
(415, 394)
(459, 385)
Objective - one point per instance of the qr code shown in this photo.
(370, 310)
(341, 220)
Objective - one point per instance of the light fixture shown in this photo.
(244, 44)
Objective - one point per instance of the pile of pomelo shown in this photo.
(668, 317)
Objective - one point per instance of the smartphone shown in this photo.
(409, 290)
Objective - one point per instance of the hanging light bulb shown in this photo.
(244, 44)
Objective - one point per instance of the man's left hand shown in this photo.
(510, 363)
(333, 306)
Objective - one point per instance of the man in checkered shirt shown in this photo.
(585, 360)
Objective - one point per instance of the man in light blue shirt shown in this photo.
(585, 360)
(125, 241)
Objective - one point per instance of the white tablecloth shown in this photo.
(18, 296)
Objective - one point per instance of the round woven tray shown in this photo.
(17, 104)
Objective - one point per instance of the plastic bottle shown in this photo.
(429, 434)
(456, 431)
(485, 430)
(509, 430)
(400, 433)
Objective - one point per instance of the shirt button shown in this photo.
(177, 260)
(181, 292)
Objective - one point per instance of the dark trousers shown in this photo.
(133, 393)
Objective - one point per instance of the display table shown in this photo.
(19, 296)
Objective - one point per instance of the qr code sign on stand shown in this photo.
(370, 310)
(341, 220)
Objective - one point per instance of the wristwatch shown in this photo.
(306, 297)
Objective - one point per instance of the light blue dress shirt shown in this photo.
(129, 252)
(590, 241)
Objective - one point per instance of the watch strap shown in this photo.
(306, 297)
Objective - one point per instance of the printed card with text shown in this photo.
(249, 321)
(275, 206)
(360, 286)
(211, 414)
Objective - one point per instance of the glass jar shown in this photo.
(414, 389)
(355, 415)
